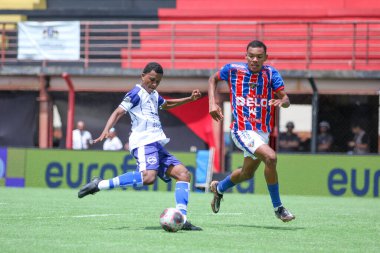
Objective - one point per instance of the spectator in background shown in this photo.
(325, 139)
(289, 141)
(112, 142)
(81, 137)
(360, 141)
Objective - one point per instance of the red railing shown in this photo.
(328, 45)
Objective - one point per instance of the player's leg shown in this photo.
(182, 186)
(248, 142)
(145, 174)
(237, 176)
(269, 157)
(171, 167)
(182, 192)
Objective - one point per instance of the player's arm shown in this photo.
(112, 120)
(282, 99)
(171, 103)
(214, 109)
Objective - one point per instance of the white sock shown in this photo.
(104, 185)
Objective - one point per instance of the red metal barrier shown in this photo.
(70, 111)
(292, 45)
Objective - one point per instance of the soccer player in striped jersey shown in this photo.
(255, 89)
(147, 140)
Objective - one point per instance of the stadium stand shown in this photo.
(281, 24)
(23, 5)
(184, 35)
(109, 38)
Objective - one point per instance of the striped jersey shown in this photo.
(143, 109)
(250, 94)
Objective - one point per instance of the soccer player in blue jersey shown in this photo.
(147, 140)
(255, 89)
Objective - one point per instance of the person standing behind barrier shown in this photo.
(255, 90)
(325, 138)
(289, 141)
(112, 142)
(81, 137)
(360, 141)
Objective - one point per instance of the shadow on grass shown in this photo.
(119, 228)
(267, 227)
(153, 228)
(143, 228)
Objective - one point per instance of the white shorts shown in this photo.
(248, 141)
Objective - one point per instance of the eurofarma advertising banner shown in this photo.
(320, 175)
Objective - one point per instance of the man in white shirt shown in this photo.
(81, 137)
(112, 142)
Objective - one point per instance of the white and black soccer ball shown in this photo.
(171, 219)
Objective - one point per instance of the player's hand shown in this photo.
(216, 113)
(195, 95)
(275, 102)
(103, 136)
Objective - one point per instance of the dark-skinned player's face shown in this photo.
(256, 56)
(150, 81)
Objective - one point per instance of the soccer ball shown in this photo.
(171, 220)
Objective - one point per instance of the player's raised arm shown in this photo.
(171, 103)
(112, 120)
(214, 109)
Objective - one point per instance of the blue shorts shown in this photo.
(154, 157)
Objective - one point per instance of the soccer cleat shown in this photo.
(188, 226)
(215, 203)
(90, 188)
(283, 214)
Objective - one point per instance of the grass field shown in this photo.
(46, 220)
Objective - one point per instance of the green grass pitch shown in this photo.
(48, 220)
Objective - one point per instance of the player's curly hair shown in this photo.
(153, 66)
(257, 43)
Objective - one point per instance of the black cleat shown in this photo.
(215, 203)
(188, 226)
(90, 188)
(283, 214)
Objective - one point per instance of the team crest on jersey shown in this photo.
(151, 160)
(253, 85)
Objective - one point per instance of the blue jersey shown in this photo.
(250, 94)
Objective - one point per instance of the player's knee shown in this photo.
(271, 159)
(184, 176)
(148, 178)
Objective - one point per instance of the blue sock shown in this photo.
(274, 195)
(133, 178)
(182, 196)
(225, 184)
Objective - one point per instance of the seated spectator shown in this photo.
(360, 141)
(289, 141)
(325, 138)
(112, 142)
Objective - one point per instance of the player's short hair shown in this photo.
(257, 43)
(153, 66)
